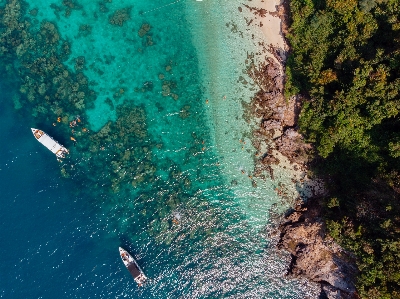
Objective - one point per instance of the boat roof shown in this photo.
(133, 269)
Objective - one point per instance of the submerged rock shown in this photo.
(144, 29)
(120, 16)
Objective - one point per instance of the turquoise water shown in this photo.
(162, 162)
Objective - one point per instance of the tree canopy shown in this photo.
(345, 61)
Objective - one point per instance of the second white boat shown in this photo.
(133, 267)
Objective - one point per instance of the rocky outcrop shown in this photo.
(280, 144)
(278, 116)
(313, 255)
(291, 144)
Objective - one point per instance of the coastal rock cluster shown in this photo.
(302, 232)
(278, 120)
(313, 255)
(280, 144)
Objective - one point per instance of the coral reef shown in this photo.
(85, 30)
(46, 85)
(120, 149)
(185, 112)
(56, 95)
(120, 16)
(144, 29)
(168, 86)
(119, 161)
(69, 6)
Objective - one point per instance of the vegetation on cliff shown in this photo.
(345, 61)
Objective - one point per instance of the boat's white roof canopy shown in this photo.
(50, 143)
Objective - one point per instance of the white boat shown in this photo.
(133, 267)
(50, 143)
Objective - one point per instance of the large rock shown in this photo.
(291, 144)
(279, 116)
(314, 257)
(291, 113)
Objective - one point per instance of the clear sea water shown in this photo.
(162, 163)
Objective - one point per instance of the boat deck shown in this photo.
(38, 134)
(132, 267)
(134, 270)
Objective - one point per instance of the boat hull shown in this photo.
(52, 145)
(133, 267)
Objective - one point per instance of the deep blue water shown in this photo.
(145, 172)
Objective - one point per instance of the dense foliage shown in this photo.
(345, 61)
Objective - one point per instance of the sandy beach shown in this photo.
(271, 23)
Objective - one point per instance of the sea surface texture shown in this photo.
(150, 98)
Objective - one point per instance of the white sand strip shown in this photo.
(271, 23)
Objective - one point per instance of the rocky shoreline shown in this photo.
(315, 255)
(302, 232)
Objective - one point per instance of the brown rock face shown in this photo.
(279, 116)
(292, 145)
(320, 260)
(303, 231)
(291, 114)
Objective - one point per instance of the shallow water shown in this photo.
(162, 163)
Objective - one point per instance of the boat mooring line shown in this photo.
(161, 7)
